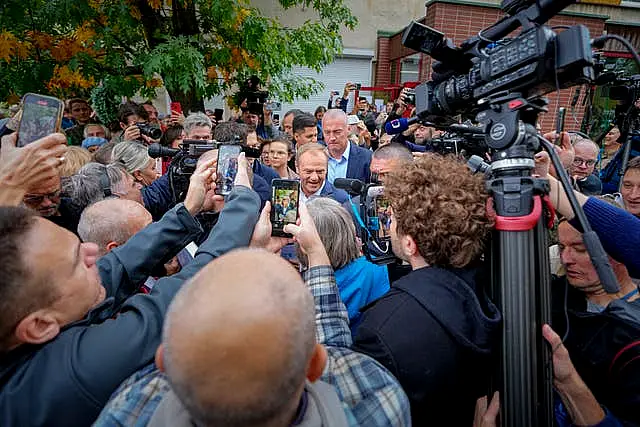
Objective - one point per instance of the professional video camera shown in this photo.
(459, 144)
(251, 93)
(370, 209)
(535, 62)
(185, 159)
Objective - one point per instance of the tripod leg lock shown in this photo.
(519, 223)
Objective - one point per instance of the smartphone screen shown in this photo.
(284, 205)
(383, 209)
(227, 168)
(41, 116)
(218, 112)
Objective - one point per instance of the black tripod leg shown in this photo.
(625, 157)
(521, 289)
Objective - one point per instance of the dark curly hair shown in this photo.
(442, 206)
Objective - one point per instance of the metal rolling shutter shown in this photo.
(356, 69)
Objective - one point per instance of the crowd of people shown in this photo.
(124, 305)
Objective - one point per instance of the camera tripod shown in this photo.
(520, 258)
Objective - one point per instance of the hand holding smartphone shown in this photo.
(284, 205)
(41, 116)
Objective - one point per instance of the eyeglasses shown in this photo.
(39, 198)
(588, 163)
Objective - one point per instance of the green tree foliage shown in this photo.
(196, 48)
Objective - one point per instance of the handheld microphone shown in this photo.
(351, 186)
(156, 150)
(397, 126)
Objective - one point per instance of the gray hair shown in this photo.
(336, 229)
(115, 172)
(196, 120)
(104, 153)
(109, 221)
(335, 113)
(132, 155)
(314, 146)
(393, 151)
(82, 190)
(85, 132)
(584, 141)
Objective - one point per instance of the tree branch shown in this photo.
(122, 44)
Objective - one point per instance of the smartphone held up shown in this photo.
(40, 116)
(284, 205)
(227, 168)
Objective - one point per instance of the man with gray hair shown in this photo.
(114, 181)
(346, 159)
(312, 164)
(111, 222)
(583, 166)
(198, 126)
(385, 159)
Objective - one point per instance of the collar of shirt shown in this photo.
(304, 198)
(345, 155)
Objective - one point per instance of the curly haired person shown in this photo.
(435, 329)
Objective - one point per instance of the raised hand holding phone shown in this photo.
(305, 233)
(262, 237)
(24, 169)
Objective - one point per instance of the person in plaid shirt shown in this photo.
(349, 388)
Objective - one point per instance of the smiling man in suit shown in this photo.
(346, 160)
(312, 163)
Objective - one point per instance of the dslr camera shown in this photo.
(149, 130)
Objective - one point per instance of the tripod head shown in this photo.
(509, 123)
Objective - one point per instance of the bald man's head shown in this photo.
(239, 340)
(110, 223)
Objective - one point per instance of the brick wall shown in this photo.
(460, 22)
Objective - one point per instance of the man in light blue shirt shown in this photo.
(338, 166)
(346, 160)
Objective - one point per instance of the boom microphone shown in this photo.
(351, 186)
(397, 126)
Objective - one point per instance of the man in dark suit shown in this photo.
(312, 164)
(346, 160)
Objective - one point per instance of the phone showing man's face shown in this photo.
(284, 205)
(227, 168)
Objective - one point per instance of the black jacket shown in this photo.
(435, 332)
(67, 381)
(604, 348)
